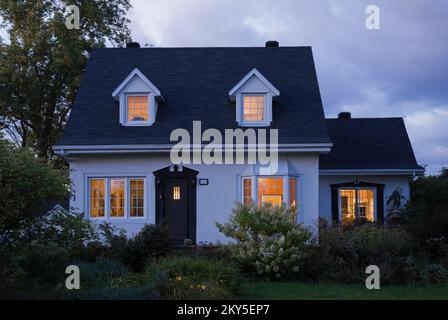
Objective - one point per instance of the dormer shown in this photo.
(253, 97)
(138, 99)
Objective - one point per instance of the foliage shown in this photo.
(269, 241)
(196, 278)
(67, 230)
(344, 253)
(198, 269)
(426, 215)
(35, 264)
(152, 241)
(27, 187)
(41, 66)
(101, 272)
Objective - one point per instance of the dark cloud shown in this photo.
(399, 70)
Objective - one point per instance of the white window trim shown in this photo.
(151, 110)
(246, 123)
(357, 188)
(127, 212)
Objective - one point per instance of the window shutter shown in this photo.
(380, 204)
(334, 205)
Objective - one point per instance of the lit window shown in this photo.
(247, 190)
(138, 108)
(356, 203)
(97, 198)
(270, 190)
(117, 197)
(137, 191)
(253, 108)
(293, 192)
(176, 193)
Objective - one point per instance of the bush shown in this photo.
(28, 187)
(196, 278)
(269, 241)
(151, 242)
(344, 253)
(38, 264)
(101, 272)
(426, 215)
(67, 230)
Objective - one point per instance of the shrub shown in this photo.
(198, 269)
(269, 241)
(196, 278)
(152, 241)
(426, 215)
(343, 253)
(28, 186)
(101, 273)
(39, 264)
(67, 230)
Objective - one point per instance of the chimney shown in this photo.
(344, 115)
(272, 44)
(132, 45)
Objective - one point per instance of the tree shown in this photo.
(41, 67)
(28, 188)
(426, 215)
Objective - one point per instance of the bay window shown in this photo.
(275, 190)
(116, 197)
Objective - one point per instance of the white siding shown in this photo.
(214, 201)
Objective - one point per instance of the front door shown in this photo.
(176, 207)
(176, 201)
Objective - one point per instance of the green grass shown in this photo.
(310, 291)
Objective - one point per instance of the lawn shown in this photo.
(288, 290)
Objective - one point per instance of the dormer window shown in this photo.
(138, 100)
(254, 107)
(137, 108)
(253, 97)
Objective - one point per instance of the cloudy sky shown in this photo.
(399, 70)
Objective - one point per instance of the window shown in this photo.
(356, 203)
(137, 197)
(253, 108)
(117, 197)
(293, 192)
(270, 190)
(97, 198)
(274, 190)
(247, 190)
(176, 193)
(122, 198)
(137, 108)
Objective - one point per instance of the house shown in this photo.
(133, 101)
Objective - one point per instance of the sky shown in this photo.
(400, 70)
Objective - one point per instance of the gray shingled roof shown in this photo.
(195, 83)
(374, 143)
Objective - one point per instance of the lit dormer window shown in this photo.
(138, 100)
(253, 97)
(254, 107)
(137, 108)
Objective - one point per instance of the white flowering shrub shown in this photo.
(269, 242)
